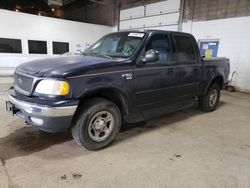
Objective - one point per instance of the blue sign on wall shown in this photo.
(209, 48)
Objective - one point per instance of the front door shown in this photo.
(155, 82)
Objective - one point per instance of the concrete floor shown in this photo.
(188, 148)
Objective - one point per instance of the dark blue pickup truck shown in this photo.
(127, 76)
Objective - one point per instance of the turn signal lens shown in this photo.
(64, 88)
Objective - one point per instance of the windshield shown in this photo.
(116, 45)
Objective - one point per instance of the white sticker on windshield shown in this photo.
(136, 35)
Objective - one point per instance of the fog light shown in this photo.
(36, 121)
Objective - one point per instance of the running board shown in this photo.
(162, 110)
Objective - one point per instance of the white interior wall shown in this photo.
(26, 27)
(233, 34)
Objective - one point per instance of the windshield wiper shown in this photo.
(98, 54)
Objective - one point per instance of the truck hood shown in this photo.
(63, 66)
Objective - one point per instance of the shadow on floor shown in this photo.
(28, 140)
(130, 130)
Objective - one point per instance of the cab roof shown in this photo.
(151, 30)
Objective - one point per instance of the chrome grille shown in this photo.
(23, 83)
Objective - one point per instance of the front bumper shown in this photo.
(55, 117)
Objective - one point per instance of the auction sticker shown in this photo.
(136, 35)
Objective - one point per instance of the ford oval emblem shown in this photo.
(19, 81)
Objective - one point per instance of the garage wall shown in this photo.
(94, 13)
(201, 10)
(26, 27)
(234, 40)
(163, 15)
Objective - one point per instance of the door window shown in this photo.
(60, 47)
(184, 49)
(10, 45)
(37, 47)
(160, 42)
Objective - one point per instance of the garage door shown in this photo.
(164, 15)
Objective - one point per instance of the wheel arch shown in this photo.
(217, 79)
(111, 93)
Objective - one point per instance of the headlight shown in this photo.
(52, 87)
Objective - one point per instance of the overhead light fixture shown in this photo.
(53, 10)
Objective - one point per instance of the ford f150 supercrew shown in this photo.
(128, 76)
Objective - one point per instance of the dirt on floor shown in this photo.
(187, 148)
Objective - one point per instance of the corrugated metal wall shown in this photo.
(105, 14)
(197, 10)
(200, 10)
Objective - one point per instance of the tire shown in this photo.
(209, 102)
(96, 124)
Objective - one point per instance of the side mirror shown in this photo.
(150, 56)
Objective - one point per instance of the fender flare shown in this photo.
(121, 94)
(215, 77)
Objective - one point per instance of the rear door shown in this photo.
(188, 65)
(155, 82)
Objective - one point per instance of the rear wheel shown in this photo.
(209, 102)
(96, 124)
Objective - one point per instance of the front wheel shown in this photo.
(209, 102)
(96, 124)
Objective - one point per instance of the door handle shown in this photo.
(195, 69)
(170, 70)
